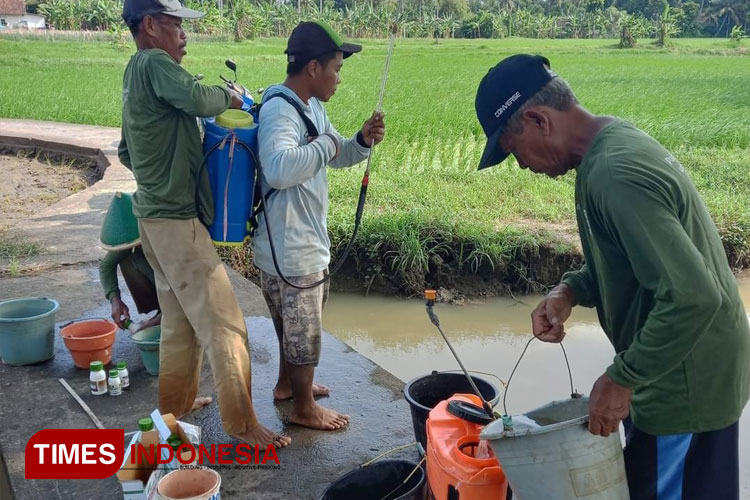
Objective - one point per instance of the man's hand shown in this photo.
(547, 320)
(608, 405)
(120, 312)
(237, 101)
(374, 128)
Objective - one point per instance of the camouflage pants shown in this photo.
(297, 314)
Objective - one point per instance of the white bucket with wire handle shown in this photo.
(549, 453)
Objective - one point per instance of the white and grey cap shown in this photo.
(135, 10)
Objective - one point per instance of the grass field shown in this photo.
(428, 207)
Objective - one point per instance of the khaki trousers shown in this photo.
(199, 313)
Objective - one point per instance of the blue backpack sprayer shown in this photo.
(230, 146)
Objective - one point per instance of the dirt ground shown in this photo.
(32, 182)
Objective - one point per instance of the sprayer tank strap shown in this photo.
(312, 131)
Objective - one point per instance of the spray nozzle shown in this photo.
(431, 296)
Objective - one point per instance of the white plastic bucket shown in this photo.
(551, 454)
(190, 484)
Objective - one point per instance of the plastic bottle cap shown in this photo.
(235, 118)
(96, 366)
(121, 365)
(507, 422)
(145, 424)
(174, 441)
(114, 373)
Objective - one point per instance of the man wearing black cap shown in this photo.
(161, 144)
(655, 270)
(296, 143)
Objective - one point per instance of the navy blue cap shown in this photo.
(502, 92)
(135, 10)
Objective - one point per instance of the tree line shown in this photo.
(626, 19)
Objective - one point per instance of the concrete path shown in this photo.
(31, 399)
(69, 229)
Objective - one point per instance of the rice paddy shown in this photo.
(428, 208)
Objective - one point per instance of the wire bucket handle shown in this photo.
(574, 394)
(502, 382)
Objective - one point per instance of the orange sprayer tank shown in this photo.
(453, 473)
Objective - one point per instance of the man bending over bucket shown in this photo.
(119, 236)
(293, 156)
(656, 272)
(161, 145)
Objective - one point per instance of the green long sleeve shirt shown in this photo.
(161, 141)
(108, 269)
(658, 276)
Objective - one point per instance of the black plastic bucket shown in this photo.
(424, 393)
(376, 481)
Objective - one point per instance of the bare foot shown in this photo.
(317, 417)
(319, 391)
(263, 436)
(200, 402)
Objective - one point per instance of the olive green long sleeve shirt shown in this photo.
(657, 273)
(161, 141)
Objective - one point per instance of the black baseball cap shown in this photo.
(312, 39)
(502, 92)
(135, 10)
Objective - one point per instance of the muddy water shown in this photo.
(488, 336)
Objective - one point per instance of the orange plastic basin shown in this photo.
(453, 472)
(90, 340)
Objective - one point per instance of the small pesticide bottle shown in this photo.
(130, 326)
(122, 371)
(115, 386)
(97, 378)
(149, 438)
(174, 441)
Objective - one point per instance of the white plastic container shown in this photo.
(115, 386)
(558, 457)
(122, 371)
(97, 378)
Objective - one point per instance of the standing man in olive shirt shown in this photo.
(161, 145)
(656, 272)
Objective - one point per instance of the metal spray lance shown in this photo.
(366, 177)
(430, 296)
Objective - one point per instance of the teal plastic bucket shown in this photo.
(27, 330)
(148, 341)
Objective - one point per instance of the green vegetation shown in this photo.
(14, 248)
(736, 36)
(240, 19)
(430, 215)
